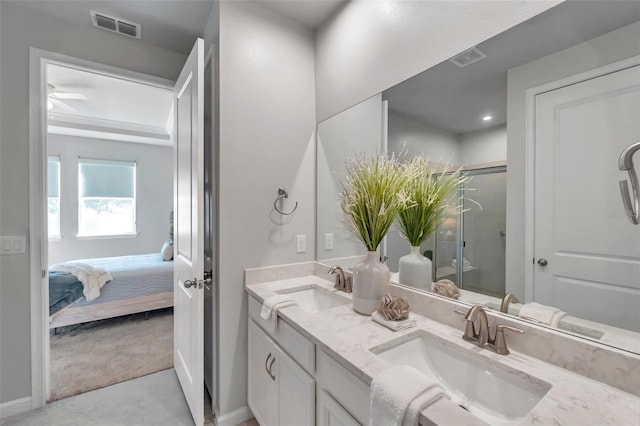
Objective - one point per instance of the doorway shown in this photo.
(77, 192)
(109, 201)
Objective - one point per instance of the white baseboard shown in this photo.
(16, 406)
(235, 417)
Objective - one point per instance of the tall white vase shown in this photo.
(370, 283)
(415, 270)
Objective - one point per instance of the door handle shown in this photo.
(266, 361)
(191, 283)
(271, 373)
(543, 262)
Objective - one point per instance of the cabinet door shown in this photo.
(296, 393)
(262, 380)
(331, 413)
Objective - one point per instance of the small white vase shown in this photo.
(370, 283)
(415, 270)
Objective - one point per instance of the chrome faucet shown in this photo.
(343, 282)
(482, 337)
(508, 298)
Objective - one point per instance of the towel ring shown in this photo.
(282, 193)
(631, 204)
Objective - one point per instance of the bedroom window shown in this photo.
(53, 196)
(106, 198)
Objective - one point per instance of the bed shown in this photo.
(140, 283)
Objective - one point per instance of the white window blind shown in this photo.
(53, 196)
(106, 197)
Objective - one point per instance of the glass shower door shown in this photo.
(477, 235)
(483, 233)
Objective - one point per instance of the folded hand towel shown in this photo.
(270, 306)
(393, 325)
(545, 314)
(399, 394)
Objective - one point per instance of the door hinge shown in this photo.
(44, 273)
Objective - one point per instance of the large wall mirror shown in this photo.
(538, 116)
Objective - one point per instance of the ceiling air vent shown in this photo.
(115, 25)
(468, 57)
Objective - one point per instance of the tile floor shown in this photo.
(155, 399)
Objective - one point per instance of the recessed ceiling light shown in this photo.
(487, 118)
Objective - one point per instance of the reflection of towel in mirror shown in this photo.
(466, 265)
(399, 394)
(544, 314)
(93, 279)
(446, 288)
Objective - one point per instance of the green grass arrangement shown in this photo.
(373, 195)
(432, 194)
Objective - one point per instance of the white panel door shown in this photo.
(189, 231)
(591, 250)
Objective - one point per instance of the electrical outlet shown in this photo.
(301, 243)
(328, 241)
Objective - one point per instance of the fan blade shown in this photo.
(70, 95)
(63, 106)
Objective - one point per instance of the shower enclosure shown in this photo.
(469, 246)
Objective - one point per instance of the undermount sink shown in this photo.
(491, 391)
(314, 298)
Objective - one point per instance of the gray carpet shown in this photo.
(90, 356)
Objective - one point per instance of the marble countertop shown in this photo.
(348, 337)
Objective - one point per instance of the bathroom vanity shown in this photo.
(316, 365)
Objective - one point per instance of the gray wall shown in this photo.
(356, 130)
(419, 138)
(154, 197)
(606, 49)
(483, 146)
(21, 28)
(370, 46)
(267, 140)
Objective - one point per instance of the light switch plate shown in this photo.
(13, 244)
(301, 243)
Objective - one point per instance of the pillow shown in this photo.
(167, 250)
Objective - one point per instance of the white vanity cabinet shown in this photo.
(285, 368)
(331, 413)
(280, 391)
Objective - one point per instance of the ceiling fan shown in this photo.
(56, 98)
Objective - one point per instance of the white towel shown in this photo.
(545, 314)
(399, 394)
(92, 279)
(270, 307)
(393, 325)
